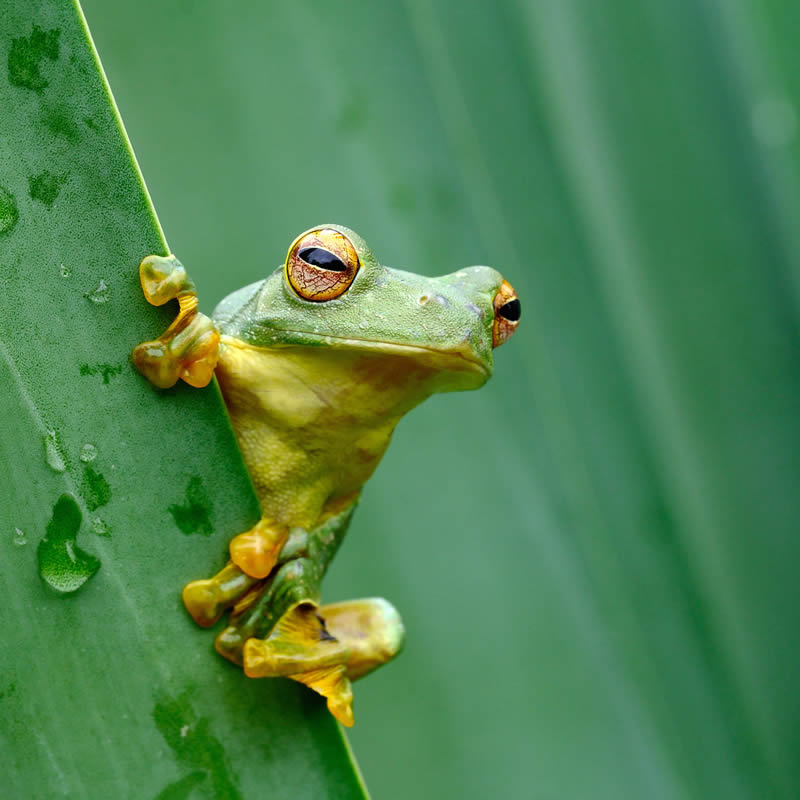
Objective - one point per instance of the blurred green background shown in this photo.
(596, 554)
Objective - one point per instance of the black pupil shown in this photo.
(510, 311)
(323, 259)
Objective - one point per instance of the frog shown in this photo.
(317, 363)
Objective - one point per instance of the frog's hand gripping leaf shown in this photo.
(189, 348)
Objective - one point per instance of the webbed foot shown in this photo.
(188, 349)
(301, 648)
(326, 648)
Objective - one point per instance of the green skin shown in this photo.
(314, 390)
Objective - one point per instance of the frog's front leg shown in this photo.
(189, 348)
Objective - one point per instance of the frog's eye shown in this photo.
(321, 264)
(507, 311)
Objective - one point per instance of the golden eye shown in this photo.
(321, 264)
(507, 311)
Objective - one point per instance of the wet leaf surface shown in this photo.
(105, 683)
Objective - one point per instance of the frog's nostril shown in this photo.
(507, 312)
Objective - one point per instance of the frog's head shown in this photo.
(333, 293)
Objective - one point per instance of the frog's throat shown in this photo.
(465, 356)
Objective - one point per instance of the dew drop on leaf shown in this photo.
(20, 538)
(88, 453)
(100, 294)
(63, 565)
(52, 452)
(101, 528)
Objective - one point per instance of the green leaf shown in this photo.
(596, 555)
(107, 688)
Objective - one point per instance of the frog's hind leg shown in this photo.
(332, 646)
(189, 348)
(325, 648)
(276, 631)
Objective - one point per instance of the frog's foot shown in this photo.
(370, 628)
(207, 600)
(256, 551)
(189, 348)
(301, 648)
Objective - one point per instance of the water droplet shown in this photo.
(62, 564)
(20, 538)
(88, 453)
(774, 121)
(101, 528)
(363, 324)
(52, 452)
(66, 272)
(100, 294)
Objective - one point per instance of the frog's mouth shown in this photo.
(460, 358)
(451, 360)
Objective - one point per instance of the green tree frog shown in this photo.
(317, 363)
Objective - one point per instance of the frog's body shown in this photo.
(306, 444)
(317, 364)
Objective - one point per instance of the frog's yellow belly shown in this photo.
(313, 423)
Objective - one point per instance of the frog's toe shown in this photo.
(155, 362)
(230, 644)
(256, 551)
(163, 278)
(197, 366)
(206, 600)
(334, 685)
(200, 599)
(370, 628)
